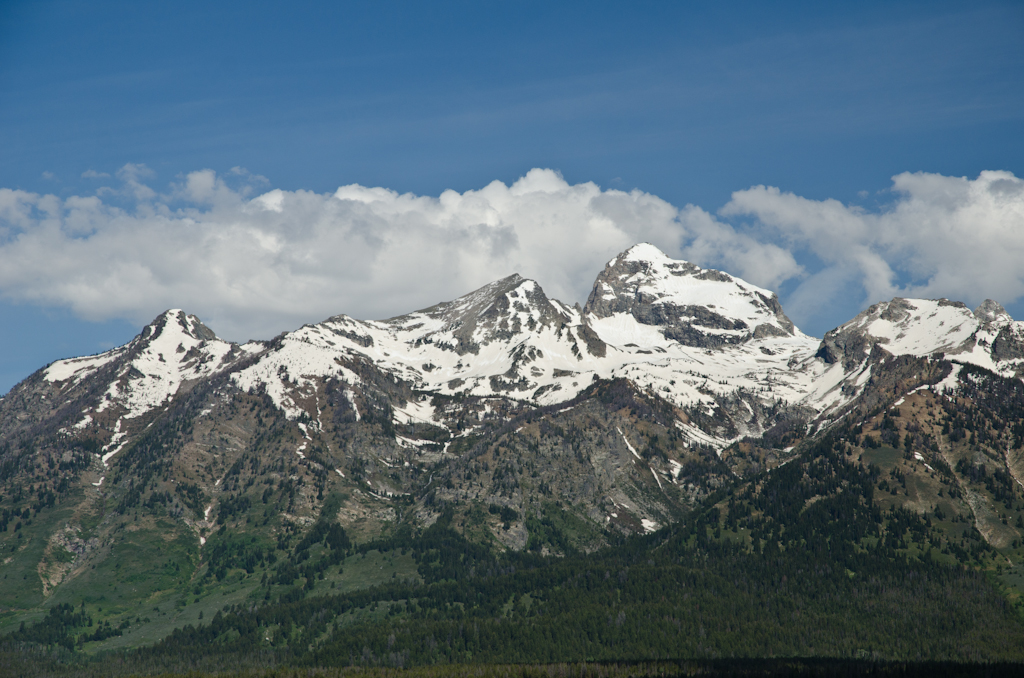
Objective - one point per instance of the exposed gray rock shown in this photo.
(630, 285)
(853, 342)
(991, 311)
(849, 345)
(1008, 345)
(495, 312)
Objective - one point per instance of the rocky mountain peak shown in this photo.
(172, 350)
(495, 312)
(691, 305)
(1007, 346)
(176, 322)
(989, 312)
(918, 327)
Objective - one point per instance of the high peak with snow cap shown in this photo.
(110, 397)
(698, 337)
(696, 307)
(174, 349)
(499, 311)
(987, 337)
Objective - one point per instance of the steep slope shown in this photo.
(695, 307)
(715, 346)
(851, 356)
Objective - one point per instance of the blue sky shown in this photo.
(122, 102)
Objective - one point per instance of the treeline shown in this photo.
(801, 564)
(832, 578)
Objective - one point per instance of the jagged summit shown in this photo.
(923, 327)
(497, 311)
(176, 320)
(990, 311)
(694, 306)
(700, 338)
(933, 329)
(918, 327)
(506, 338)
(174, 349)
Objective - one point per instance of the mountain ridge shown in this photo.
(642, 304)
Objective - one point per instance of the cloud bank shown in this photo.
(253, 262)
(942, 236)
(254, 266)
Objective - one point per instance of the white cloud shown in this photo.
(93, 174)
(941, 237)
(717, 244)
(254, 267)
(135, 172)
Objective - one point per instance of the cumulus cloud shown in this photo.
(942, 236)
(253, 266)
(711, 242)
(253, 262)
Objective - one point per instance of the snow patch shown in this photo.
(414, 412)
(114, 440)
(948, 385)
(627, 443)
(79, 368)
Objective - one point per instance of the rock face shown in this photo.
(988, 337)
(905, 343)
(498, 312)
(902, 326)
(695, 307)
(992, 312)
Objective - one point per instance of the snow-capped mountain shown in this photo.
(714, 346)
(701, 308)
(695, 337)
(853, 353)
(667, 364)
(718, 351)
(171, 353)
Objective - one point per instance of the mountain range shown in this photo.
(181, 473)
